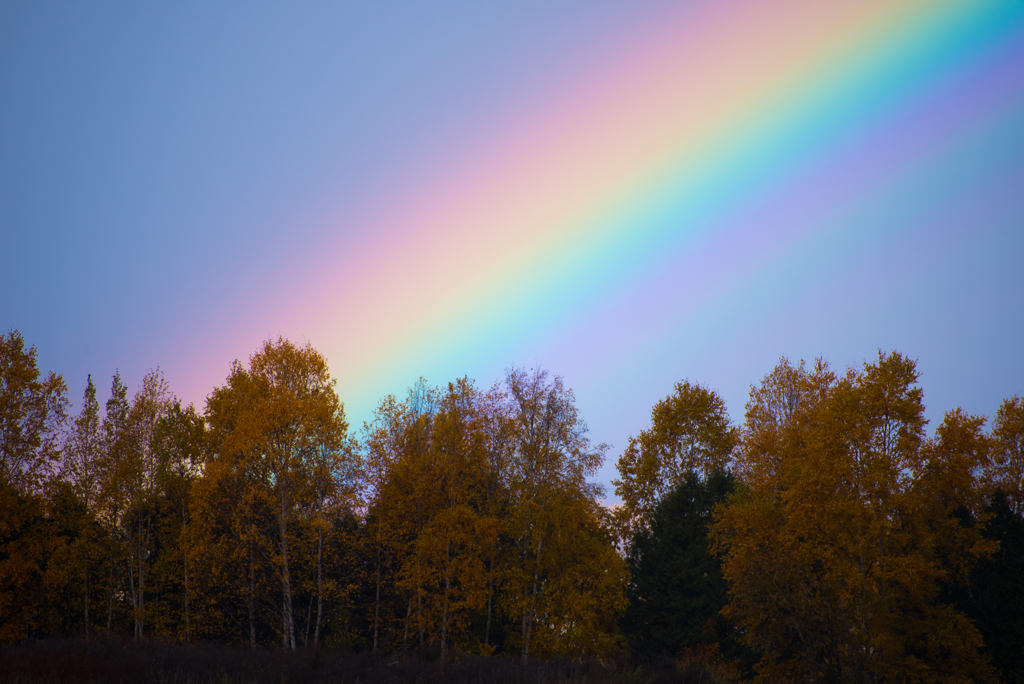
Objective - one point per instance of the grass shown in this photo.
(60, 661)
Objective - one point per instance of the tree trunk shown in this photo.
(252, 597)
(141, 619)
(528, 623)
(137, 575)
(447, 590)
(309, 619)
(134, 595)
(319, 584)
(376, 605)
(408, 617)
(286, 580)
(110, 601)
(419, 614)
(184, 552)
(142, 576)
(87, 604)
(490, 603)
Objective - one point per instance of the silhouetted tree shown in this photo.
(676, 589)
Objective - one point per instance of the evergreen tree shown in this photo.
(677, 588)
(995, 599)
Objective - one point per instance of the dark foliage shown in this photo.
(677, 588)
(25, 537)
(995, 598)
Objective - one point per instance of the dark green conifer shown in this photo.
(677, 588)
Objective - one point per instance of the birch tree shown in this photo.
(847, 527)
(32, 414)
(279, 418)
(81, 469)
(689, 432)
(552, 459)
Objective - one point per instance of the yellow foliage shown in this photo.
(849, 523)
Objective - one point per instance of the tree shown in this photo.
(142, 468)
(995, 598)
(333, 494)
(1007, 467)
(114, 485)
(129, 473)
(231, 580)
(690, 432)
(582, 582)
(32, 413)
(838, 546)
(459, 537)
(547, 475)
(73, 560)
(26, 542)
(484, 524)
(181, 444)
(498, 432)
(83, 454)
(395, 451)
(83, 449)
(429, 459)
(676, 588)
(278, 421)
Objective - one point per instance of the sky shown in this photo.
(624, 193)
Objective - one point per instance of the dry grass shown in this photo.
(113, 662)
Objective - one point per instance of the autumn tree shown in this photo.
(430, 459)
(82, 461)
(181, 445)
(25, 547)
(83, 449)
(547, 480)
(582, 582)
(689, 432)
(482, 516)
(1006, 470)
(74, 544)
(498, 432)
(231, 580)
(395, 444)
(334, 485)
(141, 468)
(32, 413)
(278, 421)
(838, 545)
(114, 486)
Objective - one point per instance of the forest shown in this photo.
(830, 537)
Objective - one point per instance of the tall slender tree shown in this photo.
(181, 442)
(552, 459)
(142, 468)
(115, 491)
(81, 469)
(1006, 471)
(32, 415)
(277, 420)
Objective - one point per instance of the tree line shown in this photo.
(827, 538)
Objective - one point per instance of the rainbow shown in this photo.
(719, 138)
